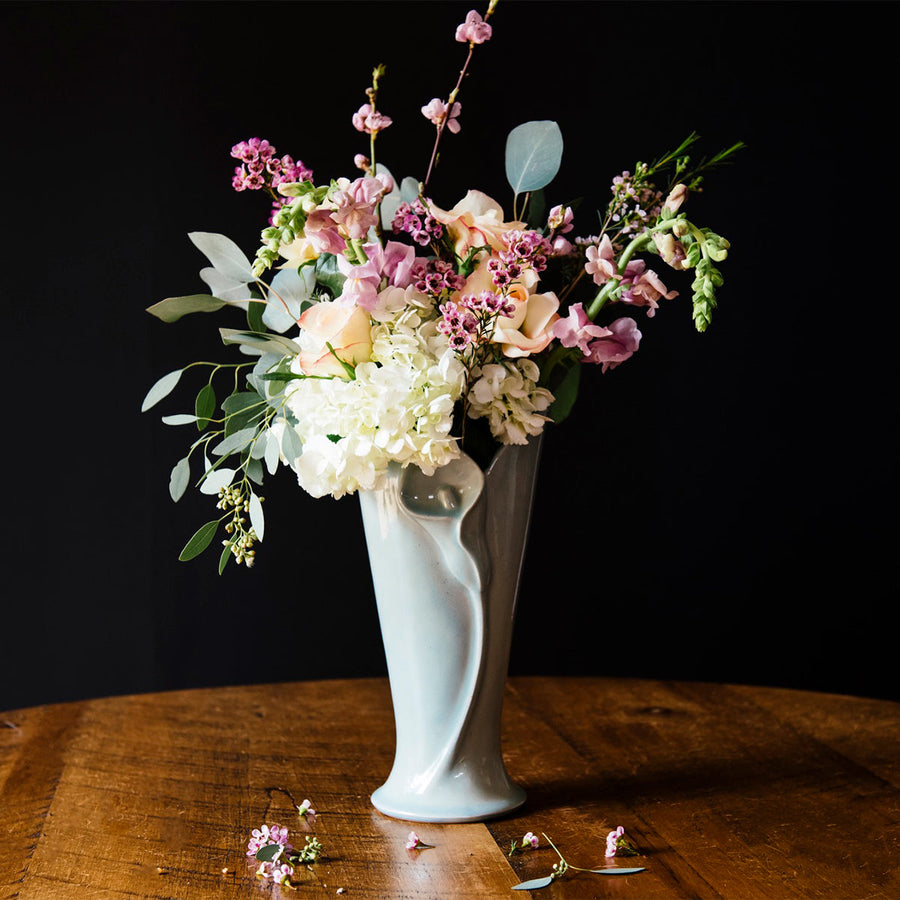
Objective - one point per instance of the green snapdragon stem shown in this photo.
(636, 244)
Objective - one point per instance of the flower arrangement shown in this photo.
(383, 329)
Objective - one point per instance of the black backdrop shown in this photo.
(717, 508)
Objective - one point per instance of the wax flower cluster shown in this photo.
(385, 328)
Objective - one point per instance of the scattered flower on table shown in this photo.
(529, 842)
(305, 809)
(414, 842)
(619, 845)
(382, 326)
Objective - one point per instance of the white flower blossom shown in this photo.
(507, 395)
(398, 409)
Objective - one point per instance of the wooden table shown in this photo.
(734, 792)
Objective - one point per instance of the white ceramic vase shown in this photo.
(446, 554)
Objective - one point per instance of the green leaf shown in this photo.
(161, 389)
(242, 409)
(200, 541)
(225, 556)
(565, 393)
(268, 853)
(255, 310)
(205, 406)
(173, 308)
(179, 479)
(328, 274)
(534, 884)
(234, 442)
(533, 155)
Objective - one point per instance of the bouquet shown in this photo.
(380, 328)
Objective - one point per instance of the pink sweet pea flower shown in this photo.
(436, 111)
(644, 287)
(322, 232)
(474, 30)
(620, 342)
(577, 330)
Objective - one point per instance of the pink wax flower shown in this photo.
(474, 30)
(369, 120)
(436, 111)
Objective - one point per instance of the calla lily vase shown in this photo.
(446, 554)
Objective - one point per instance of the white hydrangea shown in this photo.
(398, 409)
(507, 395)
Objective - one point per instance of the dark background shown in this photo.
(718, 508)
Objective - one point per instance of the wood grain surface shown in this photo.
(728, 792)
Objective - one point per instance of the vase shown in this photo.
(446, 554)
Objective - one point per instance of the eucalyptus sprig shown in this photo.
(563, 866)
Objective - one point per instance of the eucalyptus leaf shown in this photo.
(179, 419)
(617, 870)
(258, 450)
(254, 471)
(257, 519)
(224, 254)
(261, 343)
(290, 289)
(273, 453)
(233, 293)
(161, 389)
(533, 155)
(242, 410)
(534, 884)
(215, 480)
(173, 308)
(234, 442)
(291, 445)
(201, 539)
(179, 479)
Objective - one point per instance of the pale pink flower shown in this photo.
(612, 840)
(412, 841)
(474, 30)
(322, 232)
(436, 111)
(601, 261)
(560, 219)
(530, 840)
(305, 809)
(369, 120)
(676, 197)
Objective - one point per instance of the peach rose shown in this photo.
(475, 221)
(347, 328)
(529, 329)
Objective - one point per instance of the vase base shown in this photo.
(449, 810)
